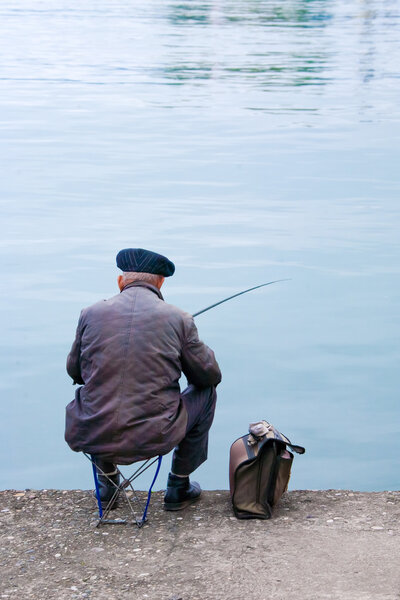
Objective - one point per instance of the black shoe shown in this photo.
(107, 489)
(180, 492)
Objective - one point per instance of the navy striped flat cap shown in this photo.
(139, 260)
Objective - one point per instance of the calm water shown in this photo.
(247, 141)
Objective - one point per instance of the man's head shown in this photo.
(127, 278)
(138, 264)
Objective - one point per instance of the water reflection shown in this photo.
(368, 50)
(246, 41)
(275, 46)
(303, 13)
(190, 13)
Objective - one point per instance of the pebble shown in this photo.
(143, 574)
(376, 527)
(330, 521)
(57, 555)
(97, 549)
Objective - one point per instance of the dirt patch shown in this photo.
(324, 544)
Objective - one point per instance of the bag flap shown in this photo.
(262, 431)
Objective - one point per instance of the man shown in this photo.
(128, 355)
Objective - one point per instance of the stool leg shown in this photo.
(96, 485)
(150, 490)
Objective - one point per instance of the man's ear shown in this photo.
(120, 282)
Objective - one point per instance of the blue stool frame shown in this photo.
(121, 489)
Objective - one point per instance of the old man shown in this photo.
(128, 355)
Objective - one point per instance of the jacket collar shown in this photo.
(150, 287)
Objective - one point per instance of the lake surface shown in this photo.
(247, 141)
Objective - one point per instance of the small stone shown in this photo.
(97, 549)
(377, 527)
(57, 555)
(73, 588)
(143, 574)
(329, 521)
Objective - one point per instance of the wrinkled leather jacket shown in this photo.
(128, 355)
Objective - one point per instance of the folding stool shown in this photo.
(125, 484)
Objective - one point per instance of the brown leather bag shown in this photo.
(259, 470)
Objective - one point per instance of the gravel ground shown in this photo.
(319, 544)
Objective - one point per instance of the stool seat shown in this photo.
(123, 490)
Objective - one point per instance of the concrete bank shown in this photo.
(324, 544)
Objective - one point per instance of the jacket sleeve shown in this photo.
(198, 361)
(73, 359)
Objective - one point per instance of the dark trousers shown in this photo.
(191, 452)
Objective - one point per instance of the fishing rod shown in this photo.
(238, 294)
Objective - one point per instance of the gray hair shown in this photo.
(131, 276)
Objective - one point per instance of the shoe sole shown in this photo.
(180, 505)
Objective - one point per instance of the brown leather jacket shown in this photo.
(128, 354)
